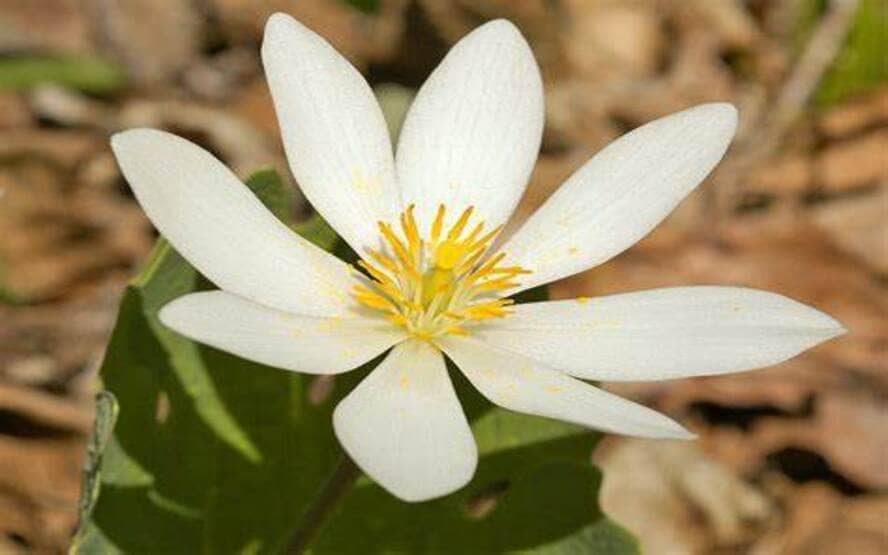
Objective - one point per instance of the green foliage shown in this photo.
(366, 6)
(215, 454)
(266, 185)
(88, 74)
(861, 65)
(863, 62)
(534, 478)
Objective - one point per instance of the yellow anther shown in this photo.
(398, 319)
(395, 243)
(496, 285)
(487, 268)
(439, 286)
(487, 238)
(509, 270)
(384, 261)
(438, 224)
(408, 224)
(377, 274)
(460, 224)
(373, 300)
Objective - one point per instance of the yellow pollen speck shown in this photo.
(553, 389)
(366, 185)
(437, 283)
(329, 324)
(404, 382)
(582, 300)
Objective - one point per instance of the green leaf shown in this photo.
(366, 6)
(212, 453)
(535, 491)
(267, 186)
(319, 232)
(862, 65)
(88, 74)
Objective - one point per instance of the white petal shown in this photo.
(221, 228)
(523, 385)
(663, 333)
(334, 132)
(309, 344)
(473, 132)
(622, 193)
(405, 428)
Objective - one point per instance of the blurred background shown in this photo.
(793, 459)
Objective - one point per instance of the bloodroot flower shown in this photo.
(433, 279)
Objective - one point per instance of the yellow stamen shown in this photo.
(408, 224)
(395, 243)
(439, 286)
(373, 300)
(460, 224)
(438, 224)
(485, 240)
(384, 261)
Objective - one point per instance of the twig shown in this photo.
(773, 121)
(339, 484)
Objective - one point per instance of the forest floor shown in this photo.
(791, 459)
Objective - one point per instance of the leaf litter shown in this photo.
(791, 459)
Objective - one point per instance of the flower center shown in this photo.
(439, 284)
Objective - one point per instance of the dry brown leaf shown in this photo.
(239, 143)
(62, 149)
(858, 225)
(853, 163)
(54, 236)
(856, 115)
(360, 37)
(41, 25)
(607, 40)
(788, 175)
(154, 53)
(14, 111)
(676, 499)
(822, 522)
(39, 490)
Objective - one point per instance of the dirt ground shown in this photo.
(791, 459)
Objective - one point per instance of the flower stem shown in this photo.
(339, 484)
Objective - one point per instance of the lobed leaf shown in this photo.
(212, 453)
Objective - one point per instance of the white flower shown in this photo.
(424, 222)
